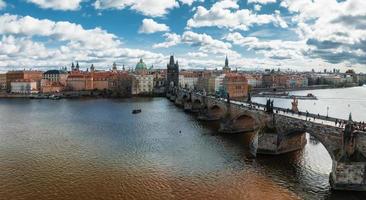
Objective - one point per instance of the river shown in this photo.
(96, 149)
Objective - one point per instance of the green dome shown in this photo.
(141, 65)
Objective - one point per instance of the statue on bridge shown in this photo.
(349, 138)
(228, 97)
(249, 97)
(269, 106)
(295, 104)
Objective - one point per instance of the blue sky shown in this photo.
(254, 34)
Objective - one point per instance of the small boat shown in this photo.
(136, 111)
(55, 97)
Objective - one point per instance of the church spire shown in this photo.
(114, 66)
(171, 62)
(226, 62)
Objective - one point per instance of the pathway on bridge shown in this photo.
(285, 112)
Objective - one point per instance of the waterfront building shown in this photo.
(226, 68)
(24, 86)
(56, 76)
(48, 86)
(3, 82)
(101, 79)
(24, 75)
(236, 85)
(142, 84)
(172, 72)
(78, 81)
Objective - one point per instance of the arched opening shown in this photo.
(245, 123)
(196, 105)
(185, 97)
(216, 112)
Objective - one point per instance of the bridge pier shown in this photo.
(348, 176)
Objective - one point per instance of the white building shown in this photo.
(219, 82)
(24, 87)
(142, 84)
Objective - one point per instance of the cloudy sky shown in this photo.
(254, 34)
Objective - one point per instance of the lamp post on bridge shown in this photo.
(327, 111)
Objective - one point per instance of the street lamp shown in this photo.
(327, 111)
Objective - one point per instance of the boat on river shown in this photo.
(136, 111)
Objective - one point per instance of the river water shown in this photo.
(96, 149)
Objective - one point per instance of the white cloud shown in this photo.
(2, 4)
(189, 2)
(277, 49)
(153, 8)
(61, 42)
(57, 4)
(226, 14)
(336, 34)
(208, 45)
(150, 26)
(257, 7)
(197, 54)
(62, 30)
(205, 43)
(262, 1)
(171, 39)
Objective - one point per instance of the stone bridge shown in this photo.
(273, 132)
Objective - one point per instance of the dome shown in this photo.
(140, 65)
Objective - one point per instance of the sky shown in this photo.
(297, 35)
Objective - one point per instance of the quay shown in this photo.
(277, 131)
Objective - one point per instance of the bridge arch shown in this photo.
(323, 140)
(216, 111)
(246, 121)
(186, 97)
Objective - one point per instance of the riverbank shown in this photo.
(314, 87)
(73, 95)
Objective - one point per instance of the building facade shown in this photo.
(3, 82)
(236, 85)
(188, 79)
(12, 76)
(142, 84)
(56, 76)
(23, 86)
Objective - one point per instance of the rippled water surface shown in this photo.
(96, 149)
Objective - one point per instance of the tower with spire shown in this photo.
(114, 68)
(77, 66)
(172, 72)
(226, 68)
